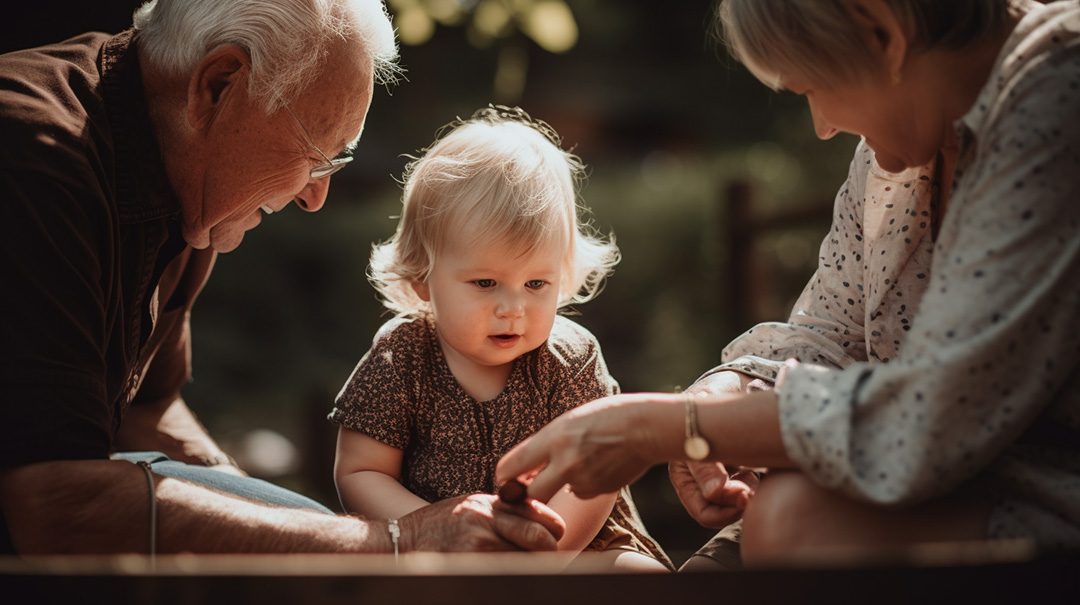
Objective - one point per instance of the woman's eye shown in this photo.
(484, 283)
(535, 284)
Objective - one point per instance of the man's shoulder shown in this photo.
(51, 107)
(81, 50)
(43, 81)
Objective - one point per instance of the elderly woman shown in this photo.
(937, 396)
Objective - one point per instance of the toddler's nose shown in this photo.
(510, 307)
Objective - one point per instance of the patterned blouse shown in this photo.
(403, 394)
(937, 354)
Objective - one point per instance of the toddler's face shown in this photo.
(492, 305)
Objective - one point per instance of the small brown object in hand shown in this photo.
(513, 492)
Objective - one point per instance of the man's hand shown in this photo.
(712, 497)
(479, 523)
(168, 426)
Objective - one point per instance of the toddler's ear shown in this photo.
(421, 289)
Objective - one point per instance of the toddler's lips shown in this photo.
(505, 341)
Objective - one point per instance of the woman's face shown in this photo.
(883, 112)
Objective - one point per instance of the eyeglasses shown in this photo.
(329, 166)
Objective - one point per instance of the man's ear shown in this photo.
(883, 32)
(422, 290)
(219, 75)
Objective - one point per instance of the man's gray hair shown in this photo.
(286, 39)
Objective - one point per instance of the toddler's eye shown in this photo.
(535, 284)
(484, 283)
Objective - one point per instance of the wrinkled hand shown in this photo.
(597, 448)
(712, 497)
(479, 523)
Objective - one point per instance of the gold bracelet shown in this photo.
(695, 446)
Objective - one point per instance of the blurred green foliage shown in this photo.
(548, 23)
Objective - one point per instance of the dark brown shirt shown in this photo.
(97, 281)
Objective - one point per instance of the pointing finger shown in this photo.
(526, 456)
(546, 484)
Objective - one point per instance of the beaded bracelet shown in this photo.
(395, 534)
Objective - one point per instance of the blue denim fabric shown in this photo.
(245, 487)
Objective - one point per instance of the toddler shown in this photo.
(488, 248)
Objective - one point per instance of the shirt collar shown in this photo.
(143, 192)
(1033, 35)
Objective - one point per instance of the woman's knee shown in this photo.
(790, 515)
(784, 516)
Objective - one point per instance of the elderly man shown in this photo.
(128, 163)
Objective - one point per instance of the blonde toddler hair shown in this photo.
(498, 177)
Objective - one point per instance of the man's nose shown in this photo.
(312, 197)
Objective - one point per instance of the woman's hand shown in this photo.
(712, 496)
(598, 447)
(604, 445)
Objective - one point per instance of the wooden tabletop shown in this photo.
(1006, 573)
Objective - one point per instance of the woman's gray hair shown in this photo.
(819, 40)
(286, 39)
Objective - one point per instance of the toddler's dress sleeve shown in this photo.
(376, 400)
(579, 372)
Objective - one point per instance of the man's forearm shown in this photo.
(102, 506)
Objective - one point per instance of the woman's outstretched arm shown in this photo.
(601, 446)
